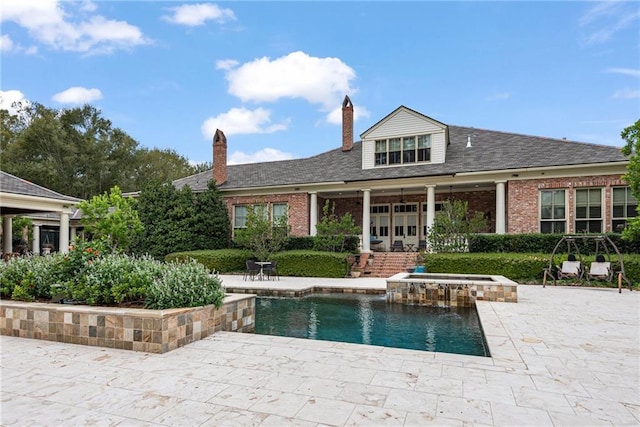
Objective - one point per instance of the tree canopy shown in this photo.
(111, 219)
(631, 135)
(80, 153)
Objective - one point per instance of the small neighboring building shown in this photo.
(396, 177)
(50, 211)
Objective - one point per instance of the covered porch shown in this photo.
(47, 208)
(397, 217)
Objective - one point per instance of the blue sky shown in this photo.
(272, 75)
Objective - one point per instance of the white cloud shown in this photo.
(501, 96)
(238, 121)
(264, 155)
(626, 71)
(604, 19)
(8, 98)
(6, 44)
(323, 81)
(49, 23)
(626, 94)
(197, 14)
(226, 64)
(77, 95)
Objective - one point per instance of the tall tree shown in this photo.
(631, 135)
(80, 153)
(179, 220)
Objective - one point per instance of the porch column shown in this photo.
(431, 206)
(74, 234)
(64, 232)
(313, 213)
(366, 221)
(7, 234)
(500, 208)
(35, 248)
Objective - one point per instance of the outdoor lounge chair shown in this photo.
(600, 269)
(271, 270)
(397, 246)
(570, 269)
(422, 245)
(252, 270)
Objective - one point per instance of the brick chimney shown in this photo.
(219, 157)
(347, 124)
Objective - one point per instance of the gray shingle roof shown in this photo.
(490, 151)
(12, 184)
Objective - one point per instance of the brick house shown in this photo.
(395, 178)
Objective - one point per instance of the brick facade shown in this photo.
(523, 199)
(298, 208)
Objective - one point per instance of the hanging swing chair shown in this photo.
(574, 267)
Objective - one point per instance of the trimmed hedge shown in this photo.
(220, 261)
(519, 267)
(311, 264)
(298, 263)
(299, 243)
(541, 243)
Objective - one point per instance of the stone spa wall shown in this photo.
(153, 331)
(449, 289)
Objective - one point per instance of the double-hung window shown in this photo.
(625, 206)
(406, 150)
(588, 210)
(553, 212)
(239, 216)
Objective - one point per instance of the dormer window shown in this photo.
(406, 150)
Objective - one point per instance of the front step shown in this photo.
(387, 264)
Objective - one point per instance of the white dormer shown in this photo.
(405, 137)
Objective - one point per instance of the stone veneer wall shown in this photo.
(449, 294)
(153, 331)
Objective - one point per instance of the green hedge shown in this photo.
(220, 261)
(543, 243)
(297, 263)
(311, 264)
(299, 243)
(519, 267)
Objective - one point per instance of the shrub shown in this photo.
(220, 261)
(185, 285)
(541, 242)
(311, 264)
(29, 278)
(299, 243)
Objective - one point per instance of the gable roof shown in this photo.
(14, 185)
(489, 151)
(395, 113)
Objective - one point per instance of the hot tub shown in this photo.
(443, 289)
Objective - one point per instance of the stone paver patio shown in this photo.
(561, 356)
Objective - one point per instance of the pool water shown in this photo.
(369, 319)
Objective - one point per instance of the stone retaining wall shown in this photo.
(153, 331)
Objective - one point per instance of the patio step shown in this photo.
(386, 264)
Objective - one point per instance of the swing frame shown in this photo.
(601, 241)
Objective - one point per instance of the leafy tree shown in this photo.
(80, 153)
(111, 219)
(453, 226)
(262, 235)
(631, 135)
(333, 232)
(179, 220)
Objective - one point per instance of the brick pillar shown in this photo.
(347, 124)
(219, 157)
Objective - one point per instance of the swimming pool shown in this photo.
(369, 319)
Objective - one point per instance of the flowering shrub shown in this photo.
(87, 275)
(185, 285)
(28, 278)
